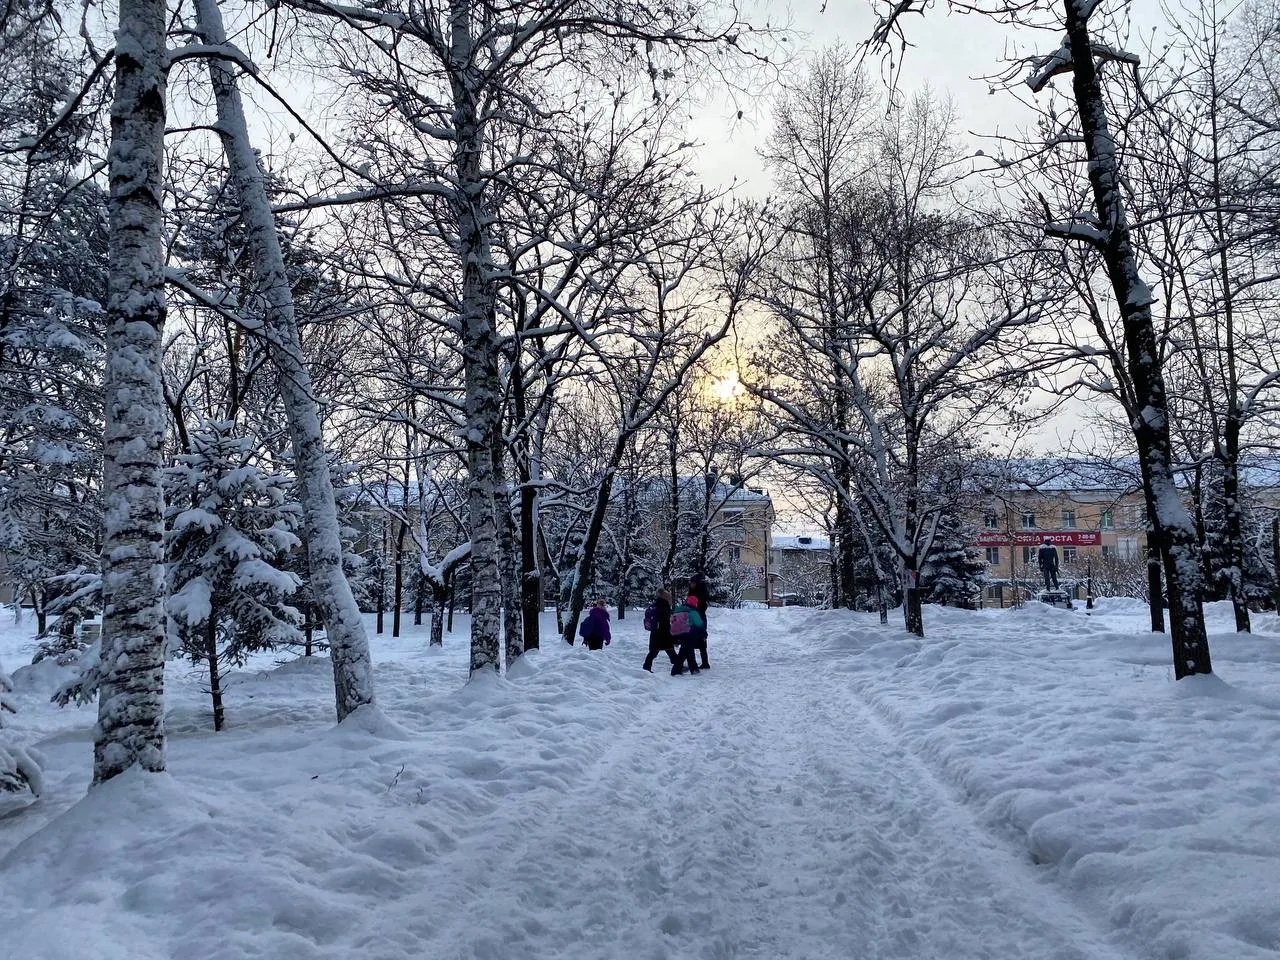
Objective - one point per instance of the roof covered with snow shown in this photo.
(1113, 475)
(803, 541)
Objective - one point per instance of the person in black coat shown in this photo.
(699, 592)
(1047, 557)
(660, 635)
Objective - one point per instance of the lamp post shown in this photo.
(1088, 586)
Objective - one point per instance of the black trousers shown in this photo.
(659, 643)
(687, 655)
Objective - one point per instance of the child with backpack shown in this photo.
(688, 629)
(657, 620)
(595, 628)
(700, 597)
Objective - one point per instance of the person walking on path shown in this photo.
(700, 598)
(687, 629)
(658, 620)
(595, 629)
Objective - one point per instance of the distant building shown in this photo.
(800, 570)
(1093, 511)
(739, 531)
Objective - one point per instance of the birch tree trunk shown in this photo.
(1172, 529)
(479, 344)
(131, 693)
(344, 627)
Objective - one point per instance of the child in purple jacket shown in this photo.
(595, 629)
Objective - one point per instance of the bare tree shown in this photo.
(898, 304)
(1106, 230)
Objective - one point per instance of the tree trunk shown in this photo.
(512, 631)
(453, 602)
(673, 534)
(348, 642)
(1232, 423)
(418, 598)
(439, 597)
(308, 629)
(398, 590)
(1202, 528)
(528, 469)
(913, 611)
(130, 726)
(381, 593)
(846, 569)
(1155, 586)
(833, 569)
(1233, 525)
(530, 574)
(1173, 530)
(1275, 562)
(215, 681)
(42, 614)
(483, 394)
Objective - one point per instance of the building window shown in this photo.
(993, 556)
(1027, 554)
(1028, 520)
(735, 554)
(1108, 520)
(1068, 518)
(1107, 551)
(1127, 548)
(992, 519)
(1068, 554)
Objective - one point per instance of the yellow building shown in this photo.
(1094, 517)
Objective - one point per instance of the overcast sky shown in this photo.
(952, 53)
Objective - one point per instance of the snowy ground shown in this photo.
(1023, 785)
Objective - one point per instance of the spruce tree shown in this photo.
(229, 531)
(18, 769)
(951, 574)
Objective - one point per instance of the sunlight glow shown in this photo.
(728, 388)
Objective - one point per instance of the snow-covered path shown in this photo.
(747, 813)
(1022, 785)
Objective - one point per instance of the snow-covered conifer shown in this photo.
(952, 573)
(230, 529)
(18, 769)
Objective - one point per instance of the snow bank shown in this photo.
(284, 835)
(1155, 802)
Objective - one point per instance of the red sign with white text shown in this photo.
(1031, 538)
